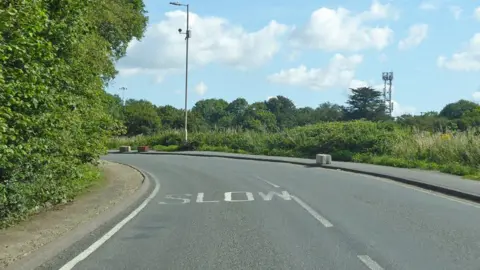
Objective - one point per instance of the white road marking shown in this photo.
(84, 254)
(312, 212)
(373, 265)
(176, 197)
(268, 182)
(228, 196)
(268, 197)
(419, 189)
(200, 198)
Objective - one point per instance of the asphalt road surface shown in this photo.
(213, 213)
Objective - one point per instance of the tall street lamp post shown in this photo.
(187, 37)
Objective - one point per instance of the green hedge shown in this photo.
(360, 141)
(54, 62)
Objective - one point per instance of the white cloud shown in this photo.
(477, 13)
(466, 60)
(399, 110)
(213, 39)
(339, 73)
(476, 96)
(427, 5)
(201, 89)
(339, 29)
(416, 34)
(357, 84)
(456, 11)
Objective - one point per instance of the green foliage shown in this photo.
(458, 109)
(55, 117)
(163, 148)
(366, 103)
(141, 117)
(361, 141)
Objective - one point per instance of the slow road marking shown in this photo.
(231, 196)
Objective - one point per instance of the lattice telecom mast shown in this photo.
(387, 93)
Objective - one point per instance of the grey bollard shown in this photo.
(323, 159)
(125, 149)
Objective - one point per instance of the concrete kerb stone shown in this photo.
(125, 149)
(322, 159)
(439, 189)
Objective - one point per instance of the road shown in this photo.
(213, 213)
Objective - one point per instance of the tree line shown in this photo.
(280, 113)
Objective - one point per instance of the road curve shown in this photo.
(213, 213)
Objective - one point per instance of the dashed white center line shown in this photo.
(268, 182)
(373, 265)
(312, 212)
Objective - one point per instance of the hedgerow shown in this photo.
(361, 141)
(55, 60)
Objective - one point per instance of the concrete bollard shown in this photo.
(125, 149)
(323, 159)
(141, 149)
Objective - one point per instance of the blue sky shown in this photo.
(309, 51)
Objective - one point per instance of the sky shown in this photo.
(309, 51)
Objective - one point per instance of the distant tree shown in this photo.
(469, 119)
(212, 110)
(171, 117)
(284, 110)
(141, 117)
(305, 116)
(259, 119)
(238, 106)
(366, 103)
(457, 109)
(329, 112)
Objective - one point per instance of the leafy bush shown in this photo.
(163, 148)
(54, 125)
(360, 141)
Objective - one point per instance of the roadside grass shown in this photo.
(21, 200)
(455, 153)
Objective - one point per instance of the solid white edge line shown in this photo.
(84, 254)
(268, 182)
(415, 188)
(373, 265)
(312, 212)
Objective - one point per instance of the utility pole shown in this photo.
(187, 34)
(387, 93)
